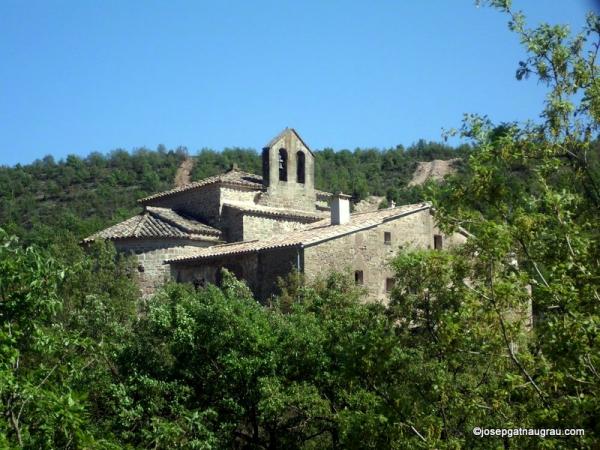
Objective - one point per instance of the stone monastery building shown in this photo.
(261, 228)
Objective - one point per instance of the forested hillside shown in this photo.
(491, 345)
(78, 196)
(360, 172)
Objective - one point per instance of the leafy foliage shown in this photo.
(53, 351)
(85, 364)
(48, 201)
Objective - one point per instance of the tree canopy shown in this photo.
(503, 332)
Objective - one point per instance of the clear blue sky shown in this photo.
(82, 76)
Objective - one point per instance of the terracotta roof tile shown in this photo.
(157, 223)
(312, 234)
(233, 176)
(182, 221)
(276, 212)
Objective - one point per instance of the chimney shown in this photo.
(340, 209)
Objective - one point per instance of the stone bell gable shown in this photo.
(288, 172)
(233, 206)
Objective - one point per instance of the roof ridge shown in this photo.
(274, 140)
(169, 221)
(391, 209)
(229, 244)
(189, 224)
(143, 218)
(273, 210)
(148, 224)
(207, 181)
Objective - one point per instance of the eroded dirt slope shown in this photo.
(436, 170)
(182, 177)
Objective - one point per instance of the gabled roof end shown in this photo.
(287, 130)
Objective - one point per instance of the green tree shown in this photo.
(39, 405)
(529, 196)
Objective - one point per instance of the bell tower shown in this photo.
(289, 171)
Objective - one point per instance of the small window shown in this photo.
(389, 284)
(437, 241)
(300, 167)
(358, 277)
(387, 238)
(283, 157)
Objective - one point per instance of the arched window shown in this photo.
(283, 157)
(300, 167)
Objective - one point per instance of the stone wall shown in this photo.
(292, 145)
(229, 194)
(242, 266)
(365, 250)
(368, 252)
(206, 202)
(260, 271)
(274, 264)
(203, 203)
(207, 271)
(290, 193)
(261, 227)
(151, 254)
(451, 241)
(232, 224)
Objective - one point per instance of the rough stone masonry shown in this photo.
(263, 227)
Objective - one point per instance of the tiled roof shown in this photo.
(312, 234)
(233, 176)
(182, 221)
(157, 223)
(275, 212)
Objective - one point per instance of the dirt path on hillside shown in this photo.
(182, 177)
(436, 170)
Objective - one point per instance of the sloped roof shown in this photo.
(232, 176)
(157, 223)
(312, 234)
(275, 212)
(273, 141)
(182, 221)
